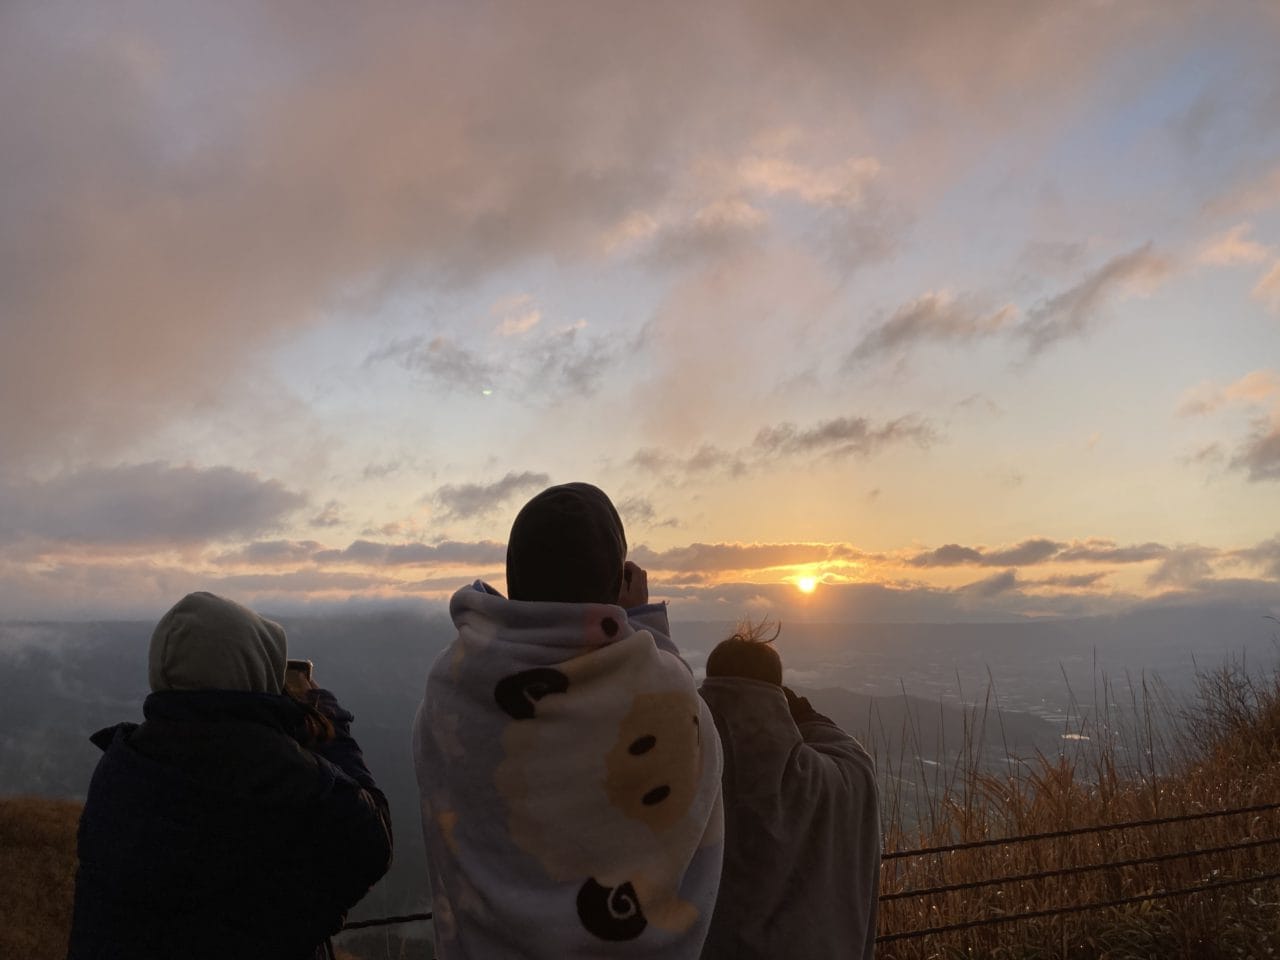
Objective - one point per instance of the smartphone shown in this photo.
(299, 666)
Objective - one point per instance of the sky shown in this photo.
(945, 311)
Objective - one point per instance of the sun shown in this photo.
(807, 584)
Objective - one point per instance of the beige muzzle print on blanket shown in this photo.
(599, 776)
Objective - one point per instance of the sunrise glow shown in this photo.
(308, 329)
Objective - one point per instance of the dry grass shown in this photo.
(1146, 756)
(37, 876)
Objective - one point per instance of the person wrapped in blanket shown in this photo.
(802, 821)
(238, 820)
(569, 772)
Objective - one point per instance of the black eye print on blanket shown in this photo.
(518, 693)
(611, 913)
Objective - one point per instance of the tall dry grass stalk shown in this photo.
(1139, 754)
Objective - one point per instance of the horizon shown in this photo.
(968, 316)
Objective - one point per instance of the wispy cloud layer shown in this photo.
(144, 504)
(836, 438)
(480, 499)
(943, 318)
(934, 318)
(1257, 455)
(1074, 311)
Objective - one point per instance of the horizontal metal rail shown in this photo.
(385, 921)
(1074, 908)
(1076, 831)
(1069, 871)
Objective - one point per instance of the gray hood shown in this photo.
(208, 643)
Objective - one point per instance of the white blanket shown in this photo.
(570, 781)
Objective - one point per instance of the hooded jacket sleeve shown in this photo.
(355, 820)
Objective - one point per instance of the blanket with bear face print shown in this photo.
(570, 783)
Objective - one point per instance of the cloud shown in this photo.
(1098, 550)
(478, 499)
(639, 511)
(857, 222)
(1249, 197)
(1073, 581)
(1265, 555)
(716, 230)
(300, 582)
(144, 504)
(1054, 257)
(1040, 550)
(1184, 566)
(1208, 453)
(636, 510)
(1259, 454)
(330, 515)
(1027, 552)
(716, 557)
(837, 185)
(979, 401)
(994, 585)
(945, 318)
(517, 315)
(838, 437)
(1267, 290)
(705, 459)
(523, 365)
(1233, 247)
(444, 553)
(854, 237)
(172, 206)
(843, 436)
(379, 471)
(936, 318)
(279, 553)
(1254, 388)
(440, 359)
(948, 555)
(1074, 311)
(570, 361)
(270, 553)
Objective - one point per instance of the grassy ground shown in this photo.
(37, 876)
(1145, 757)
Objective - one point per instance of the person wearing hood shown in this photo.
(569, 772)
(239, 819)
(802, 821)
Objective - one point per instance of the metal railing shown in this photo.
(1036, 876)
(938, 851)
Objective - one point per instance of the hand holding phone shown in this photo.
(297, 678)
(635, 586)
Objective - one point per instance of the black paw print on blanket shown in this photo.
(610, 913)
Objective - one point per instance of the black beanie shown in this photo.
(567, 546)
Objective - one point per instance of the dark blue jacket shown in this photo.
(210, 831)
